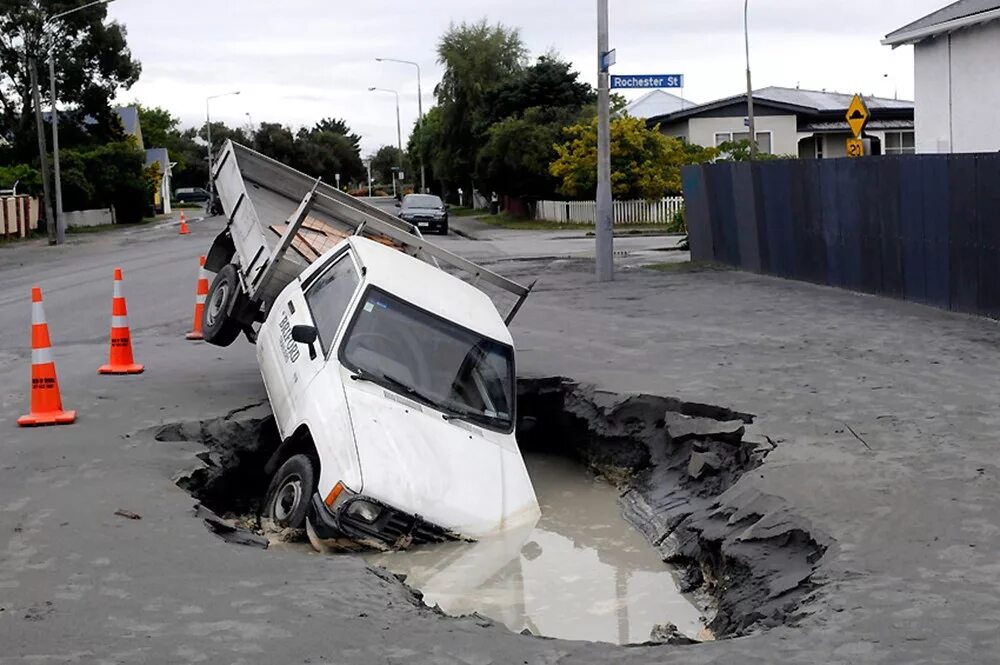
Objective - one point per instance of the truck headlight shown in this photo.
(364, 510)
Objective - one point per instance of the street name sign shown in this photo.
(857, 115)
(647, 81)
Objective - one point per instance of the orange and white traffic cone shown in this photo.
(46, 404)
(120, 360)
(184, 225)
(201, 293)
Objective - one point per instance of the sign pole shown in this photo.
(603, 221)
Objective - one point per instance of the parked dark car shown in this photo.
(426, 211)
(191, 195)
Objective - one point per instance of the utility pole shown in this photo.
(753, 125)
(60, 236)
(604, 229)
(60, 229)
(50, 225)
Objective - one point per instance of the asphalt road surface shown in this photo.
(912, 510)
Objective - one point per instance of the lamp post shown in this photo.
(399, 133)
(750, 118)
(208, 129)
(420, 112)
(60, 236)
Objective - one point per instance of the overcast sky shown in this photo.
(296, 61)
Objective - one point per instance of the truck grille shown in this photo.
(399, 529)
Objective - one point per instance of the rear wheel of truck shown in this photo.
(290, 492)
(218, 327)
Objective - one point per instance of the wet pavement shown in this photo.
(912, 510)
(580, 573)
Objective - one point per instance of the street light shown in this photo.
(60, 229)
(420, 111)
(399, 132)
(751, 122)
(208, 127)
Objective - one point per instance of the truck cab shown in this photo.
(393, 386)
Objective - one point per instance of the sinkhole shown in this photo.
(639, 540)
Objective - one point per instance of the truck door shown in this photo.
(322, 302)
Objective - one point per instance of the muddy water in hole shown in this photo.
(581, 573)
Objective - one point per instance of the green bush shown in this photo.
(110, 175)
(678, 224)
(28, 179)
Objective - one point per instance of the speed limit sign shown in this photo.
(855, 148)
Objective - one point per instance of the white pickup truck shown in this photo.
(391, 380)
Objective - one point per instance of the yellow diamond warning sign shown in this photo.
(857, 115)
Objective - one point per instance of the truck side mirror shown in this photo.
(304, 334)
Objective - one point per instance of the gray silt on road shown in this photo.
(911, 577)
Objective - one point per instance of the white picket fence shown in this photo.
(625, 212)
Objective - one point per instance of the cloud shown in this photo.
(297, 61)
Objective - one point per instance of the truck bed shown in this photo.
(281, 220)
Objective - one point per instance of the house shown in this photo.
(956, 57)
(791, 121)
(161, 198)
(657, 103)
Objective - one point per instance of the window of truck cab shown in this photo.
(328, 293)
(423, 356)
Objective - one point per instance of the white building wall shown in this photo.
(931, 80)
(958, 91)
(783, 128)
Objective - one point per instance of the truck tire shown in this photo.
(290, 493)
(219, 329)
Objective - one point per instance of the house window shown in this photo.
(900, 143)
(819, 147)
(763, 139)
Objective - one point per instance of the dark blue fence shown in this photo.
(924, 228)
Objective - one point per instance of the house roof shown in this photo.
(158, 155)
(793, 100)
(129, 115)
(955, 16)
(657, 102)
(842, 126)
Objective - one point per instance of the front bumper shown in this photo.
(428, 223)
(393, 528)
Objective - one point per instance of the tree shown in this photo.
(328, 149)
(421, 147)
(385, 162)
(645, 164)
(475, 56)
(159, 127)
(524, 117)
(327, 154)
(519, 150)
(338, 126)
(549, 83)
(93, 63)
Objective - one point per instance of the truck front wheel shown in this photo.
(219, 329)
(290, 493)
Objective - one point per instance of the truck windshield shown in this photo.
(453, 369)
